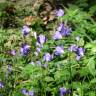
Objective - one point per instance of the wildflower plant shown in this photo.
(58, 64)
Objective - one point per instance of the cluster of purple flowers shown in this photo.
(25, 49)
(62, 30)
(78, 50)
(59, 50)
(41, 39)
(65, 30)
(27, 93)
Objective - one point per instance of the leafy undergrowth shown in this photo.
(57, 60)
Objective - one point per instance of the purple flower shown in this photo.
(60, 27)
(65, 31)
(57, 36)
(77, 38)
(25, 49)
(78, 57)
(13, 52)
(59, 12)
(47, 57)
(41, 39)
(63, 91)
(24, 91)
(59, 50)
(1, 85)
(31, 93)
(25, 30)
(73, 48)
(80, 51)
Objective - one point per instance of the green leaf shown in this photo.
(81, 42)
(48, 79)
(91, 94)
(91, 65)
(75, 85)
(93, 80)
(0, 14)
(88, 45)
(92, 10)
(84, 71)
(28, 69)
(93, 50)
(62, 75)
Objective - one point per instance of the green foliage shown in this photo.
(45, 78)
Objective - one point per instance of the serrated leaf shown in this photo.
(81, 42)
